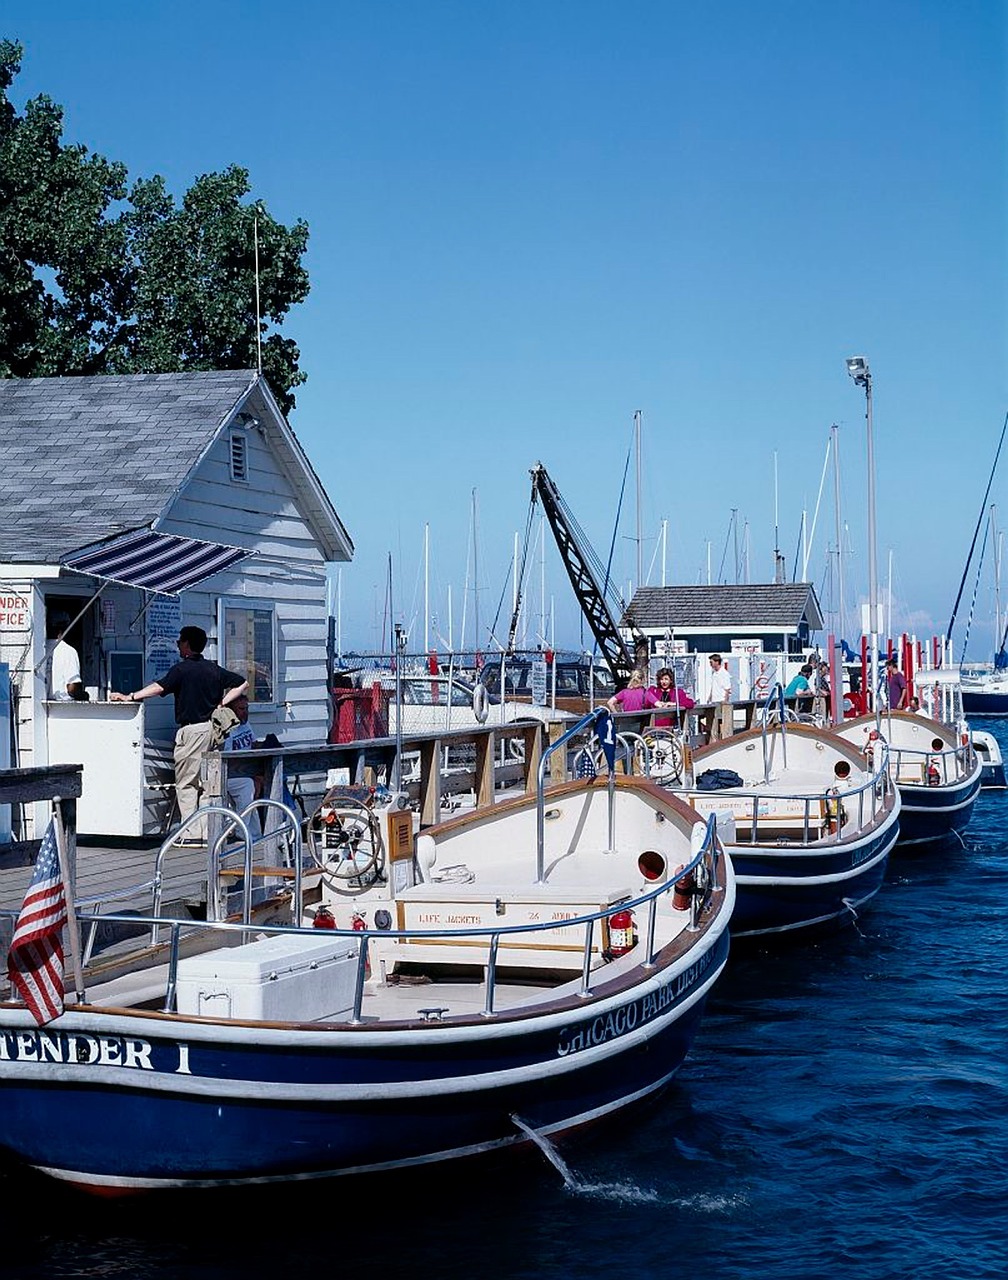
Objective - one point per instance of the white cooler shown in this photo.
(285, 978)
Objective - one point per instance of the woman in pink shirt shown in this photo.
(667, 693)
(635, 697)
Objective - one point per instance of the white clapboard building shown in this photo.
(133, 505)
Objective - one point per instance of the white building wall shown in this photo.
(287, 571)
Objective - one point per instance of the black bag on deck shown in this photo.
(718, 779)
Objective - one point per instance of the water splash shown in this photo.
(624, 1191)
(855, 919)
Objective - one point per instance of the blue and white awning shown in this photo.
(161, 562)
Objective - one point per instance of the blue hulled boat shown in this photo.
(527, 969)
(807, 824)
(934, 765)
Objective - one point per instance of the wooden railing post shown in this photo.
(484, 784)
(533, 738)
(430, 782)
(558, 762)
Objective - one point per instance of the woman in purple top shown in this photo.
(667, 693)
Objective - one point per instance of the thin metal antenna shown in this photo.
(778, 558)
(637, 437)
(255, 234)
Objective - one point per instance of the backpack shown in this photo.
(718, 780)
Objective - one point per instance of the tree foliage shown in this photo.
(100, 277)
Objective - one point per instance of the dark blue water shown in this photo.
(844, 1112)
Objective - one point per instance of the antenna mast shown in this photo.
(255, 235)
(637, 437)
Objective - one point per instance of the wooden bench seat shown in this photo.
(428, 907)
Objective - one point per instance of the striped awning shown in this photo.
(161, 562)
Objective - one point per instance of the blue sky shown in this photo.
(530, 220)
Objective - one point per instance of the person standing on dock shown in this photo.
(722, 722)
(896, 686)
(199, 688)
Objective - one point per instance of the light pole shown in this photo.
(857, 367)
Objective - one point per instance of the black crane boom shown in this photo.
(586, 577)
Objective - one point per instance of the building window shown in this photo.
(248, 631)
(239, 456)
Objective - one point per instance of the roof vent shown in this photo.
(239, 456)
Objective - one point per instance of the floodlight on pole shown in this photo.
(857, 367)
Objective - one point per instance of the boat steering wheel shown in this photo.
(665, 756)
(346, 845)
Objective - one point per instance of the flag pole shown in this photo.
(73, 930)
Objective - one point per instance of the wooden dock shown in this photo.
(502, 757)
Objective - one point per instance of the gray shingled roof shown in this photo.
(758, 606)
(81, 458)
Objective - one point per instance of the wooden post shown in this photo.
(430, 781)
(558, 765)
(214, 773)
(486, 754)
(533, 737)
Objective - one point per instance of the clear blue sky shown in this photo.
(531, 219)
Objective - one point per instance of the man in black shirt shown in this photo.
(199, 687)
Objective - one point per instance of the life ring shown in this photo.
(481, 702)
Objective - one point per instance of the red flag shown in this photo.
(35, 959)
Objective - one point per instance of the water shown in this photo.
(844, 1112)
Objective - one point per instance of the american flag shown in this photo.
(35, 960)
(584, 765)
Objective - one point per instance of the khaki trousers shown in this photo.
(723, 725)
(191, 742)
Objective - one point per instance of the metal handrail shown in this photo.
(961, 759)
(586, 721)
(290, 825)
(708, 856)
(876, 786)
(776, 692)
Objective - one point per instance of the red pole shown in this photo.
(908, 665)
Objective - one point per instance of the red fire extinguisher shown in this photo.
(933, 776)
(324, 918)
(622, 934)
(685, 887)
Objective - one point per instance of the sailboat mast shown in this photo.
(997, 574)
(640, 543)
(835, 432)
(391, 608)
(542, 578)
(476, 623)
(426, 588)
(664, 549)
(889, 602)
(780, 567)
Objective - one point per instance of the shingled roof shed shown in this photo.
(134, 505)
(781, 615)
(87, 458)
